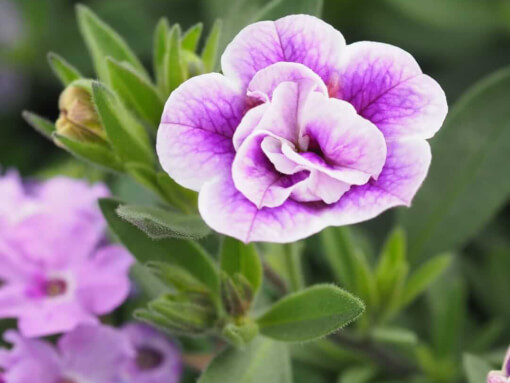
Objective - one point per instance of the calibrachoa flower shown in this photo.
(88, 354)
(56, 271)
(157, 360)
(301, 131)
(502, 376)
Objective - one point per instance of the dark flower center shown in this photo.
(148, 358)
(55, 287)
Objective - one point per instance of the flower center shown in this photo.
(148, 358)
(55, 287)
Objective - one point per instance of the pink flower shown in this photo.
(502, 376)
(55, 269)
(301, 131)
(157, 360)
(92, 354)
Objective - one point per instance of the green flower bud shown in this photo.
(236, 295)
(240, 334)
(78, 118)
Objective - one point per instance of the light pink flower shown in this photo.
(56, 271)
(88, 354)
(503, 375)
(301, 131)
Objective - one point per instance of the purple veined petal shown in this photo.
(256, 177)
(227, 211)
(194, 141)
(386, 86)
(103, 283)
(320, 187)
(280, 117)
(297, 38)
(53, 316)
(341, 144)
(95, 353)
(496, 377)
(265, 81)
(405, 169)
(273, 149)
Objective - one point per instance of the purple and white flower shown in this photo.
(56, 270)
(301, 131)
(502, 376)
(85, 355)
(156, 360)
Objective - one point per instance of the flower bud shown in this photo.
(242, 333)
(236, 295)
(78, 118)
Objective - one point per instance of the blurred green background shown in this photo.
(456, 41)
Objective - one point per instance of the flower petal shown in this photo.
(386, 86)
(297, 38)
(256, 177)
(103, 283)
(265, 81)
(228, 212)
(194, 140)
(96, 353)
(496, 377)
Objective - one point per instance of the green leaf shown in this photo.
(184, 199)
(158, 223)
(160, 48)
(448, 210)
(93, 153)
(424, 276)
(263, 360)
(210, 51)
(102, 42)
(394, 335)
(392, 271)
(40, 124)
(186, 254)
(128, 137)
(310, 314)
(366, 286)
(280, 8)
(137, 93)
(358, 374)
(476, 368)
(174, 73)
(341, 254)
(237, 257)
(191, 37)
(65, 72)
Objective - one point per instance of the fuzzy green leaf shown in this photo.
(263, 360)
(191, 37)
(40, 124)
(93, 153)
(237, 257)
(210, 51)
(424, 276)
(65, 72)
(136, 92)
(102, 42)
(470, 153)
(183, 253)
(158, 223)
(476, 368)
(127, 136)
(310, 314)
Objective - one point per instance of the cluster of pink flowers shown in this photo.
(58, 274)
